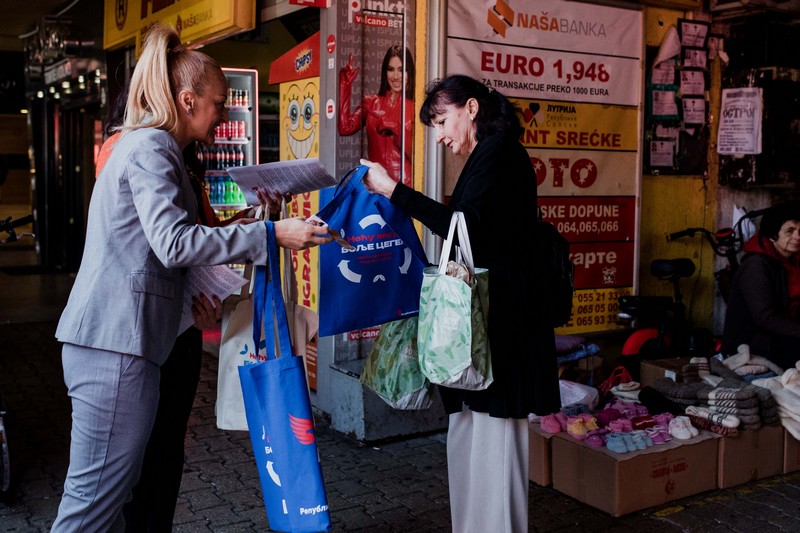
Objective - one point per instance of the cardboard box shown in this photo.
(623, 483)
(750, 455)
(791, 453)
(649, 371)
(540, 467)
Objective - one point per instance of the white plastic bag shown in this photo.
(572, 392)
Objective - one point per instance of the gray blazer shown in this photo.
(128, 293)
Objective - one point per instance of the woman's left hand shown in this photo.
(206, 313)
(271, 201)
(377, 180)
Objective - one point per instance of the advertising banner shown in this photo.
(575, 72)
(373, 54)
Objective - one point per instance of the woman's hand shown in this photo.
(206, 312)
(297, 234)
(377, 180)
(271, 201)
(348, 73)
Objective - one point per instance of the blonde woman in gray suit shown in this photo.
(124, 309)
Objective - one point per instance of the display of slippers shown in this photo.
(550, 424)
(658, 434)
(596, 438)
(576, 427)
(616, 443)
(574, 409)
(620, 425)
(640, 439)
(681, 428)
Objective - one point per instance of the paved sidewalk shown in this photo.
(398, 486)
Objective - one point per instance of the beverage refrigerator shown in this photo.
(235, 144)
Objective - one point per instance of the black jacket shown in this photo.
(496, 191)
(756, 313)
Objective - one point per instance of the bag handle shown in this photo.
(457, 222)
(345, 186)
(268, 301)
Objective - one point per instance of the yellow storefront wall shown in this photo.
(673, 203)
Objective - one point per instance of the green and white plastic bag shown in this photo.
(392, 368)
(452, 339)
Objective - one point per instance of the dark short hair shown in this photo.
(496, 114)
(776, 217)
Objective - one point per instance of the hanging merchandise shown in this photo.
(375, 275)
(452, 340)
(279, 414)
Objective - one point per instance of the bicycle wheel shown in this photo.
(5, 462)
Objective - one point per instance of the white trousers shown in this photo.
(487, 468)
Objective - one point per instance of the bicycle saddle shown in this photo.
(672, 268)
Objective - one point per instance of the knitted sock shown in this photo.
(735, 411)
(718, 418)
(751, 426)
(689, 373)
(759, 360)
(704, 423)
(727, 394)
(657, 402)
(751, 370)
(712, 380)
(703, 369)
(740, 404)
(740, 358)
(668, 387)
(721, 370)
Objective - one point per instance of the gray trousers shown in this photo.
(487, 471)
(114, 399)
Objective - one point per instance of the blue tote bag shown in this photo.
(279, 417)
(380, 278)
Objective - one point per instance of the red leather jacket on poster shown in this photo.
(383, 128)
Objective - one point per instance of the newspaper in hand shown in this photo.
(297, 176)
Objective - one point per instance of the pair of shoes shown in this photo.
(589, 421)
(643, 422)
(640, 439)
(576, 427)
(659, 434)
(562, 420)
(634, 410)
(663, 419)
(681, 428)
(605, 416)
(620, 425)
(550, 424)
(596, 438)
(620, 443)
(574, 409)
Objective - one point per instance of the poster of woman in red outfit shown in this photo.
(387, 117)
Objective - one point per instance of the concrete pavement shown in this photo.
(397, 486)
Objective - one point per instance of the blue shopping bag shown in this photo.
(377, 282)
(279, 417)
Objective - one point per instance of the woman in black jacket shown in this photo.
(487, 440)
(764, 304)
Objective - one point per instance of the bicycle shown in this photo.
(662, 329)
(8, 226)
(727, 243)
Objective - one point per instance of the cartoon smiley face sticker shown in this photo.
(300, 119)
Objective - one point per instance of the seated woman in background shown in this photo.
(764, 303)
